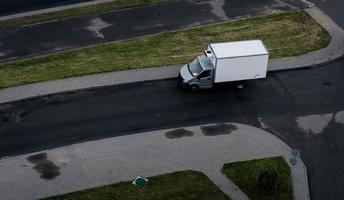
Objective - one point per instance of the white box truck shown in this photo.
(225, 62)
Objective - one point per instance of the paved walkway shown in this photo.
(333, 51)
(76, 167)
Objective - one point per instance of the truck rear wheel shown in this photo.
(194, 88)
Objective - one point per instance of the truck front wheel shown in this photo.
(240, 85)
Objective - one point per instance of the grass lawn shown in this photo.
(74, 12)
(245, 175)
(184, 185)
(284, 34)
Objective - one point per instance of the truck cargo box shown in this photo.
(242, 60)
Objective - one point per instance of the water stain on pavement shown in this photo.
(218, 129)
(339, 118)
(45, 167)
(96, 25)
(178, 133)
(314, 124)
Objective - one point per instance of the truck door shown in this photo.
(205, 80)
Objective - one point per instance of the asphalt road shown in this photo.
(8, 7)
(273, 103)
(333, 8)
(83, 31)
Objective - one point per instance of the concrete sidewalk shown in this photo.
(91, 164)
(334, 50)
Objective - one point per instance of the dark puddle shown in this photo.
(218, 129)
(327, 83)
(15, 116)
(45, 167)
(178, 133)
(56, 99)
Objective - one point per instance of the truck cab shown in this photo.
(198, 74)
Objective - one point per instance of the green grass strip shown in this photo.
(188, 185)
(284, 34)
(245, 175)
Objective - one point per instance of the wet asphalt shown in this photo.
(83, 31)
(274, 103)
(8, 7)
(333, 8)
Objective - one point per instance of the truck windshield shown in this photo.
(195, 67)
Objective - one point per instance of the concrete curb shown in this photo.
(299, 179)
(334, 50)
